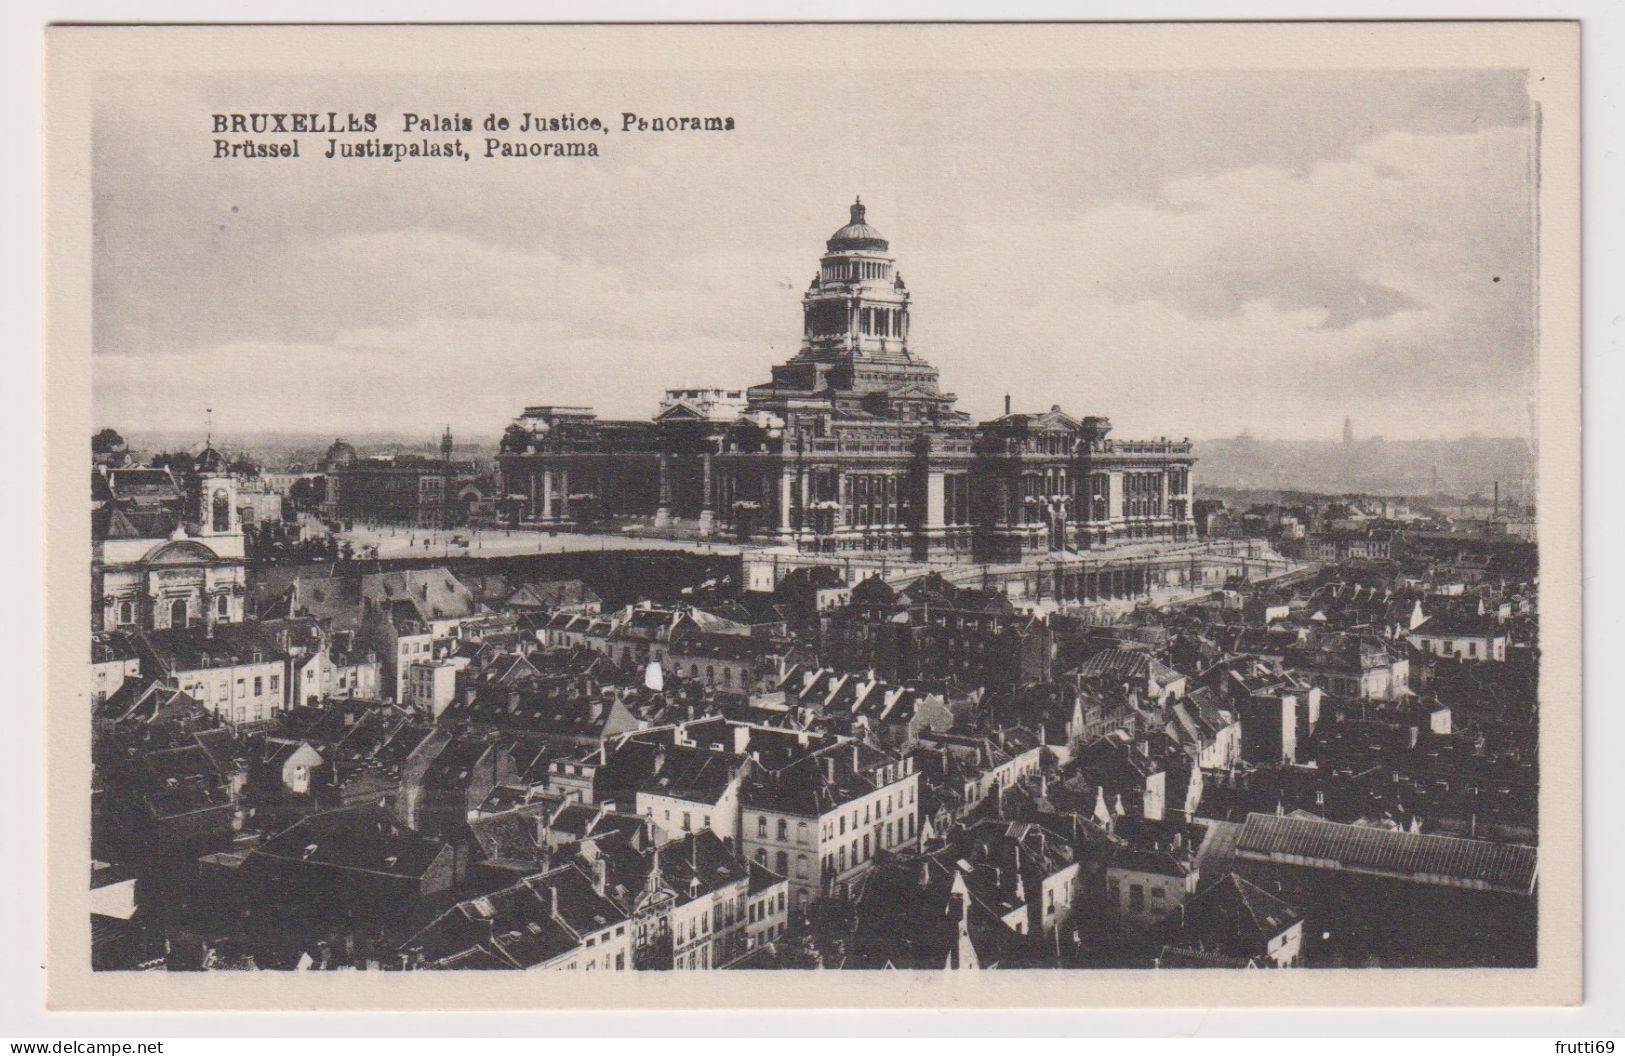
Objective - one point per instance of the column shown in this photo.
(564, 494)
(531, 506)
(708, 513)
(663, 513)
(1114, 498)
(935, 500)
(785, 484)
(804, 489)
(547, 493)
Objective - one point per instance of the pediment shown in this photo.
(180, 552)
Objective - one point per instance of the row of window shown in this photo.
(893, 800)
(783, 829)
(856, 269)
(887, 834)
(179, 611)
(200, 690)
(782, 864)
(762, 908)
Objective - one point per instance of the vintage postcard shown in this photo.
(813, 515)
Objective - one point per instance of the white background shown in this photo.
(22, 819)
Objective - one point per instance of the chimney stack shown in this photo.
(1007, 403)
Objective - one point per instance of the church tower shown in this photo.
(219, 523)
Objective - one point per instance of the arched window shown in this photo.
(761, 858)
(177, 613)
(761, 826)
(784, 864)
(222, 511)
(710, 673)
(222, 605)
(801, 867)
(801, 832)
(126, 612)
(784, 829)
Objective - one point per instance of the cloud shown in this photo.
(1192, 253)
(1272, 300)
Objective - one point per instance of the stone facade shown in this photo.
(167, 552)
(853, 446)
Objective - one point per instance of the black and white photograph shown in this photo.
(811, 504)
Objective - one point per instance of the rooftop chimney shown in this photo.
(1007, 403)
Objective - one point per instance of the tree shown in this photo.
(106, 441)
(308, 492)
(179, 461)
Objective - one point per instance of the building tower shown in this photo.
(857, 302)
(855, 350)
(445, 446)
(1348, 430)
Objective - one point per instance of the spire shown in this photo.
(857, 210)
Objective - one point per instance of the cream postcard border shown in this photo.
(77, 55)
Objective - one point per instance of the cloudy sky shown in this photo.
(1186, 253)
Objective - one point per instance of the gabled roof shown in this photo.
(363, 839)
(1456, 624)
(536, 921)
(1443, 860)
(1237, 916)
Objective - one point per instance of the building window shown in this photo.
(801, 867)
(126, 612)
(177, 614)
(222, 605)
(784, 830)
(783, 861)
(259, 685)
(801, 832)
(761, 826)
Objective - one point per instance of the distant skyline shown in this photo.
(1186, 253)
(178, 437)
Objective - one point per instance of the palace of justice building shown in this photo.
(852, 446)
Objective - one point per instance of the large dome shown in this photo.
(857, 234)
(340, 453)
